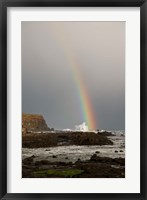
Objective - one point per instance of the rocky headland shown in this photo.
(34, 122)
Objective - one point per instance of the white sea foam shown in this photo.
(82, 127)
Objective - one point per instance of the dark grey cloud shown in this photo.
(48, 84)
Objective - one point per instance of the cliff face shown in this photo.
(34, 122)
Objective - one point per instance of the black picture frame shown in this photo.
(4, 4)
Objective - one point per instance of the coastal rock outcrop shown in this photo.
(34, 122)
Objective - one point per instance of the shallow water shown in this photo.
(73, 153)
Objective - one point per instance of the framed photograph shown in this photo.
(73, 99)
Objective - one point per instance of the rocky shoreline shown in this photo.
(35, 140)
(95, 167)
(73, 155)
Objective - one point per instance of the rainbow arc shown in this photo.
(85, 101)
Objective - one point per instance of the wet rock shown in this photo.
(78, 161)
(105, 133)
(97, 152)
(25, 167)
(42, 162)
(37, 140)
(28, 160)
(61, 163)
(94, 157)
(96, 167)
(119, 161)
(54, 156)
(111, 161)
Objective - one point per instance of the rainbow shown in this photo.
(86, 106)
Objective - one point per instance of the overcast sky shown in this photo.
(49, 52)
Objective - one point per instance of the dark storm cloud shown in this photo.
(48, 83)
